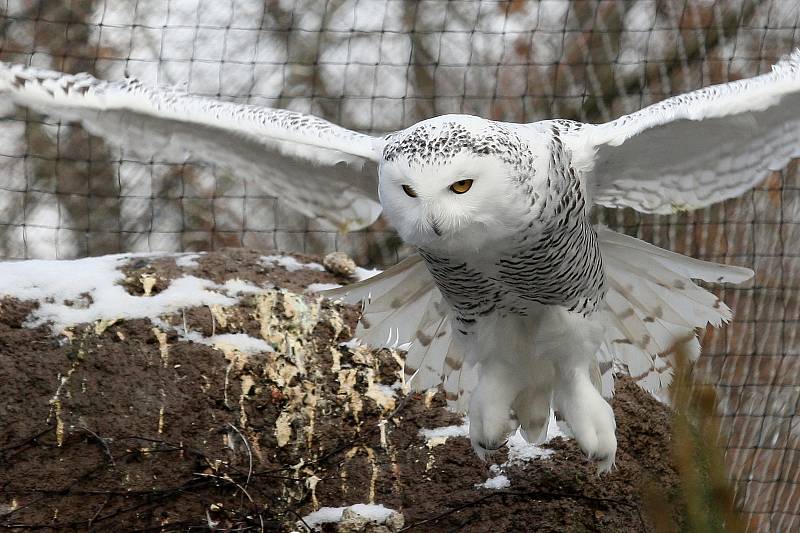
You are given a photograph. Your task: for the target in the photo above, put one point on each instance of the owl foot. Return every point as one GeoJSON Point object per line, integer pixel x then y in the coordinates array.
{"type": "Point", "coordinates": [486, 450]}
{"type": "Point", "coordinates": [591, 420]}
{"type": "Point", "coordinates": [532, 408]}
{"type": "Point", "coordinates": [490, 423]}
{"type": "Point", "coordinates": [598, 440]}
{"type": "Point", "coordinates": [489, 433]}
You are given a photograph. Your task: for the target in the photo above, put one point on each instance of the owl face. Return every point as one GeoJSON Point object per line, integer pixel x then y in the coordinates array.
{"type": "Point", "coordinates": [447, 186]}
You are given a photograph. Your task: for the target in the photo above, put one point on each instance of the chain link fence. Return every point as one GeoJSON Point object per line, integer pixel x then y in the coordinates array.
{"type": "Point", "coordinates": [381, 65]}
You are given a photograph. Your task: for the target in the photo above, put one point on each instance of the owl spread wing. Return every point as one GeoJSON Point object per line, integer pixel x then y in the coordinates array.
{"type": "Point", "coordinates": [652, 308]}
{"type": "Point", "coordinates": [696, 149]}
{"type": "Point", "coordinates": [319, 168]}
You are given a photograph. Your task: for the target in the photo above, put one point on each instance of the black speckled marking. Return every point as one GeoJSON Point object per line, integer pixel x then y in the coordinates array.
{"type": "Point", "coordinates": [429, 144]}
{"type": "Point", "coordinates": [555, 259]}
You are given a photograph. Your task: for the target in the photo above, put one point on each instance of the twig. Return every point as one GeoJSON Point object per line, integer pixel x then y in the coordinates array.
{"type": "Point", "coordinates": [530, 494]}
{"type": "Point", "coordinates": [103, 442]}
{"type": "Point", "coordinates": [99, 510]}
{"type": "Point", "coordinates": [237, 485]}
{"type": "Point", "coordinates": [249, 454]}
{"type": "Point", "coordinates": [21, 507]}
{"type": "Point", "coordinates": [89, 492]}
{"type": "Point", "coordinates": [27, 440]}
{"type": "Point", "coordinates": [451, 511]}
{"type": "Point", "coordinates": [174, 447]}
{"type": "Point", "coordinates": [150, 501]}
{"type": "Point", "coordinates": [300, 519]}
{"type": "Point", "coordinates": [227, 480]}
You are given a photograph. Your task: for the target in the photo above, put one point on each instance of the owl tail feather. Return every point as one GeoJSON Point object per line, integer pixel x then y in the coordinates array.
{"type": "Point", "coordinates": [653, 307]}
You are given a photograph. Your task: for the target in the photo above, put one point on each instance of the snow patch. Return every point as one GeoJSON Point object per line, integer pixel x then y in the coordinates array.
{"type": "Point", "coordinates": [187, 261]}
{"type": "Point", "coordinates": [365, 273]}
{"type": "Point", "coordinates": [226, 342]}
{"type": "Point", "coordinates": [498, 482]}
{"type": "Point", "coordinates": [240, 286]}
{"type": "Point", "coordinates": [521, 451]}
{"type": "Point", "coordinates": [319, 287]}
{"type": "Point", "coordinates": [86, 290]}
{"type": "Point", "coordinates": [290, 263]}
{"type": "Point", "coordinates": [437, 436]}
{"type": "Point", "coordinates": [241, 342]}
{"type": "Point", "coordinates": [330, 515]}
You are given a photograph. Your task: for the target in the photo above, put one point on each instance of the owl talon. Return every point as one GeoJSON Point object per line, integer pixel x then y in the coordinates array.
{"type": "Point", "coordinates": [485, 450]}
{"type": "Point", "coordinates": [605, 463]}
{"type": "Point", "coordinates": [591, 420]}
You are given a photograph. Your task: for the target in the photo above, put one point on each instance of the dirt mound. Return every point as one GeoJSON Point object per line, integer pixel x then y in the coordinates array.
{"type": "Point", "coordinates": [252, 415]}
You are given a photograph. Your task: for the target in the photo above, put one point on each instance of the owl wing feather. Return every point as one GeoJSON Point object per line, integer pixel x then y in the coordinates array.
{"type": "Point", "coordinates": [402, 307]}
{"type": "Point", "coordinates": [652, 307]}
{"type": "Point", "coordinates": [695, 149]}
{"type": "Point", "coordinates": [319, 168]}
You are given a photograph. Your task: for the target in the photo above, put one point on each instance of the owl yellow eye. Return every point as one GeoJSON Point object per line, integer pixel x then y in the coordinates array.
{"type": "Point", "coordinates": [409, 191]}
{"type": "Point", "coordinates": [460, 187]}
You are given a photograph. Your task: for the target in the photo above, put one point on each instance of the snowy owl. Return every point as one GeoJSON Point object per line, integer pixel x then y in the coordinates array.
{"type": "Point", "coordinates": [514, 301]}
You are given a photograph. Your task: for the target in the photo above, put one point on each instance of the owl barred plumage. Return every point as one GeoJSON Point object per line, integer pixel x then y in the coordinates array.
{"type": "Point", "coordinates": [553, 259]}
{"type": "Point", "coordinates": [515, 304]}
{"type": "Point", "coordinates": [560, 264]}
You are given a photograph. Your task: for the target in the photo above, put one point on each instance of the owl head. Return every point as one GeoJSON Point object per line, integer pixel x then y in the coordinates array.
{"type": "Point", "coordinates": [455, 182]}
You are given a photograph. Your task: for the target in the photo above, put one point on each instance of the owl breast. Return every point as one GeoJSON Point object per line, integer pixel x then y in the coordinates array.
{"type": "Point", "coordinates": [552, 259]}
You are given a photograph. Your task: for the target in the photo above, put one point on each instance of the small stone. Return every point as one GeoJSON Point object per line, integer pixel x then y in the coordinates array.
{"type": "Point", "coordinates": [339, 263]}
{"type": "Point", "coordinates": [395, 522]}
{"type": "Point", "coordinates": [352, 522]}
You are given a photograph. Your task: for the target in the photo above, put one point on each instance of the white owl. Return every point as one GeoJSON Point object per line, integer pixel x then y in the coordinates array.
{"type": "Point", "coordinates": [514, 301]}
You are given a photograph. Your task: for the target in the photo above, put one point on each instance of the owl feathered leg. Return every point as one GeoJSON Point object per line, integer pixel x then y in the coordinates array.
{"type": "Point", "coordinates": [589, 416]}
{"type": "Point", "coordinates": [528, 364]}
{"type": "Point", "coordinates": [496, 349]}
{"type": "Point", "coordinates": [490, 414]}
{"type": "Point", "coordinates": [570, 341]}
{"type": "Point", "coordinates": [517, 369]}
{"type": "Point", "coordinates": [532, 405]}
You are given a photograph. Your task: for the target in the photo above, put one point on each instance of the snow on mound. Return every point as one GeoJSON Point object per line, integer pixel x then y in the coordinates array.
{"type": "Point", "coordinates": [436, 436]}
{"type": "Point", "coordinates": [520, 452]}
{"type": "Point", "coordinates": [238, 286]}
{"type": "Point", "coordinates": [319, 287]}
{"type": "Point", "coordinates": [290, 263]}
{"type": "Point", "coordinates": [500, 481]}
{"type": "Point", "coordinates": [86, 290]}
{"type": "Point", "coordinates": [187, 260]}
{"type": "Point", "coordinates": [91, 289]}
{"type": "Point", "coordinates": [240, 342]}
{"type": "Point", "coordinates": [359, 512]}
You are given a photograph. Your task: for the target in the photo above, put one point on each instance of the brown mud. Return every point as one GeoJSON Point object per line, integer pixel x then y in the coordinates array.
{"type": "Point", "coordinates": [130, 426]}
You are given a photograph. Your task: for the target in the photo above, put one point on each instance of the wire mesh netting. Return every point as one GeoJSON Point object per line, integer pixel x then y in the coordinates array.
{"type": "Point", "coordinates": [381, 65]}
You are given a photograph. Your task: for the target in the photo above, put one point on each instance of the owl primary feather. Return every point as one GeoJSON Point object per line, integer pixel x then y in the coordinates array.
{"type": "Point", "coordinates": [515, 302]}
